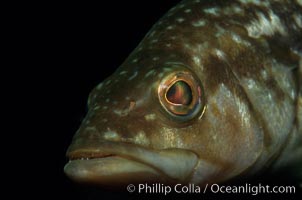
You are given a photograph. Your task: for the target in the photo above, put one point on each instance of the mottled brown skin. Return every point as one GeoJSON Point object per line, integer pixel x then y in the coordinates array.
{"type": "Point", "coordinates": [251, 79]}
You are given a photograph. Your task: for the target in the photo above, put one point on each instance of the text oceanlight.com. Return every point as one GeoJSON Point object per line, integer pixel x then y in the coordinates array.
{"type": "Point", "coordinates": [159, 188]}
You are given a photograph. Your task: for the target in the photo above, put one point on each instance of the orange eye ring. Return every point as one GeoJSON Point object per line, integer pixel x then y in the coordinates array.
{"type": "Point", "coordinates": [181, 95]}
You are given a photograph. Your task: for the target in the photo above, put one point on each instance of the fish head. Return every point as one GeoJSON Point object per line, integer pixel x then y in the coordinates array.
{"type": "Point", "coordinates": [162, 123]}
{"type": "Point", "coordinates": [174, 111]}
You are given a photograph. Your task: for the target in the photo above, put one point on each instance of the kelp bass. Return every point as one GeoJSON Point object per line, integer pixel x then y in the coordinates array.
{"type": "Point", "coordinates": [212, 92]}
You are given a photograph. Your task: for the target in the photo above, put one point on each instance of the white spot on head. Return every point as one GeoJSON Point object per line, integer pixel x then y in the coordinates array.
{"type": "Point", "coordinates": [198, 23]}
{"type": "Point", "coordinates": [105, 107]}
{"type": "Point", "coordinates": [123, 72]}
{"type": "Point", "coordinates": [108, 82]}
{"type": "Point", "coordinates": [170, 138]}
{"type": "Point", "coordinates": [212, 11]}
{"type": "Point", "coordinates": [251, 84]}
{"type": "Point", "coordinates": [104, 120]}
{"type": "Point", "coordinates": [168, 69]}
{"type": "Point", "coordinates": [233, 10]}
{"type": "Point", "coordinates": [111, 135]}
{"type": "Point", "coordinates": [169, 27]}
{"type": "Point", "coordinates": [135, 60]}
{"type": "Point", "coordinates": [133, 76]}
{"type": "Point", "coordinates": [220, 54]}
{"type": "Point", "coordinates": [107, 100]}
{"type": "Point", "coordinates": [264, 74]}
{"type": "Point", "coordinates": [265, 26]}
{"type": "Point", "coordinates": [197, 49]}
{"type": "Point", "coordinates": [152, 33]}
{"type": "Point", "coordinates": [169, 14]}
{"type": "Point", "coordinates": [236, 38]}
{"type": "Point", "coordinates": [90, 128]}
{"type": "Point", "coordinates": [187, 10]}
{"type": "Point", "coordinates": [180, 20]}
{"type": "Point", "coordinates": [172, 9]}
{"type": "Point", "coordinates": [141, 138]}
{"type": "Point", "coordinates": [263, 3]}
{"type": "Point", "coordinates": [155, 58]}
{"type": "Point", "coordinates": [150, 73]}
{"type": "Point", "coordinates": [121, 113]}
{"type": "Point", "coordinates": [99, 86]}
{"type": "Point", "coordinates": [160, 22]}
{"type": "Point", "coordinates": [188, 46]}
{"type": "Point", "coordinates": [220, 30]}
{"type": "Point", "coordinates": [168, 45]}
{"type": "Point", "coordinates": [173, 37]}
{"type": "Point", "coordinates": [196, 60]}
{"type": "Point", "coordinates": [298, 19]}
{"type": "Point", "coordinates": [269, 95]}
{"type": "Point", "coordinates": [237, 9]}
{"type": "Point", "coordinates": [127, 98]}
{"type": "Point", "coordinates": [96, 108]}
{"type": "Point", "coordinates": [181, 6]}
{"type": "Point", "coordinates": [160, 75]}
{"type": "Point", "coordinates": [154, 41]}
{"type": "Point", "coordinates": [150, 117]}
{"type": "Point", "coordinates": [115, 102]}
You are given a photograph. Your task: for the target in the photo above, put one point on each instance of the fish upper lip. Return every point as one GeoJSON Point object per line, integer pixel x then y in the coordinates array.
{"type": "Point", "coordinates": [177, 164]}
{"type": "Point", "coordinates": [84, 155]}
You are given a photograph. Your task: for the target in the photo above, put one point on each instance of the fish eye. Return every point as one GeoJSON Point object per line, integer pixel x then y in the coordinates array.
{"type": "Point", "coordinates": [181, 95]}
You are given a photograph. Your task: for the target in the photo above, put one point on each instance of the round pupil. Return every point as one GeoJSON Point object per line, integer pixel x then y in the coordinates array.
{"type": "Point", "coordinates": [179, 93]}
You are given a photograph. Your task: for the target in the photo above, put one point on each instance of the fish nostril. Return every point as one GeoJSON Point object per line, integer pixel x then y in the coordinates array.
{"type": "Point", "coordinates": [129, 106]}
{"type": "Point", "coordinates": [126, 109]}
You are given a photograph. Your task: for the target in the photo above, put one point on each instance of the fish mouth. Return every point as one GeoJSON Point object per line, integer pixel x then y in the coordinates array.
{"type": "Point", "coordinates": [118, 163]}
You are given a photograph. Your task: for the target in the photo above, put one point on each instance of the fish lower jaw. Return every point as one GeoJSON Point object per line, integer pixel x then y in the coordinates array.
{"type": "Point", "coordinates": [112, 171]}
{"type": "Point", "coordinates": [119, 165]}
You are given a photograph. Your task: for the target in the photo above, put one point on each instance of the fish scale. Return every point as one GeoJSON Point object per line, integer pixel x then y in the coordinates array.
{"type": "Point", "coordinates": [214, 84]}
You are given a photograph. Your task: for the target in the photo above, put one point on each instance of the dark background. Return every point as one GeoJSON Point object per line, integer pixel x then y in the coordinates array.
{"type": "Point", "coordinates": [87, 42]}
{"type": "Point", "coordinates": [77, 45]}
